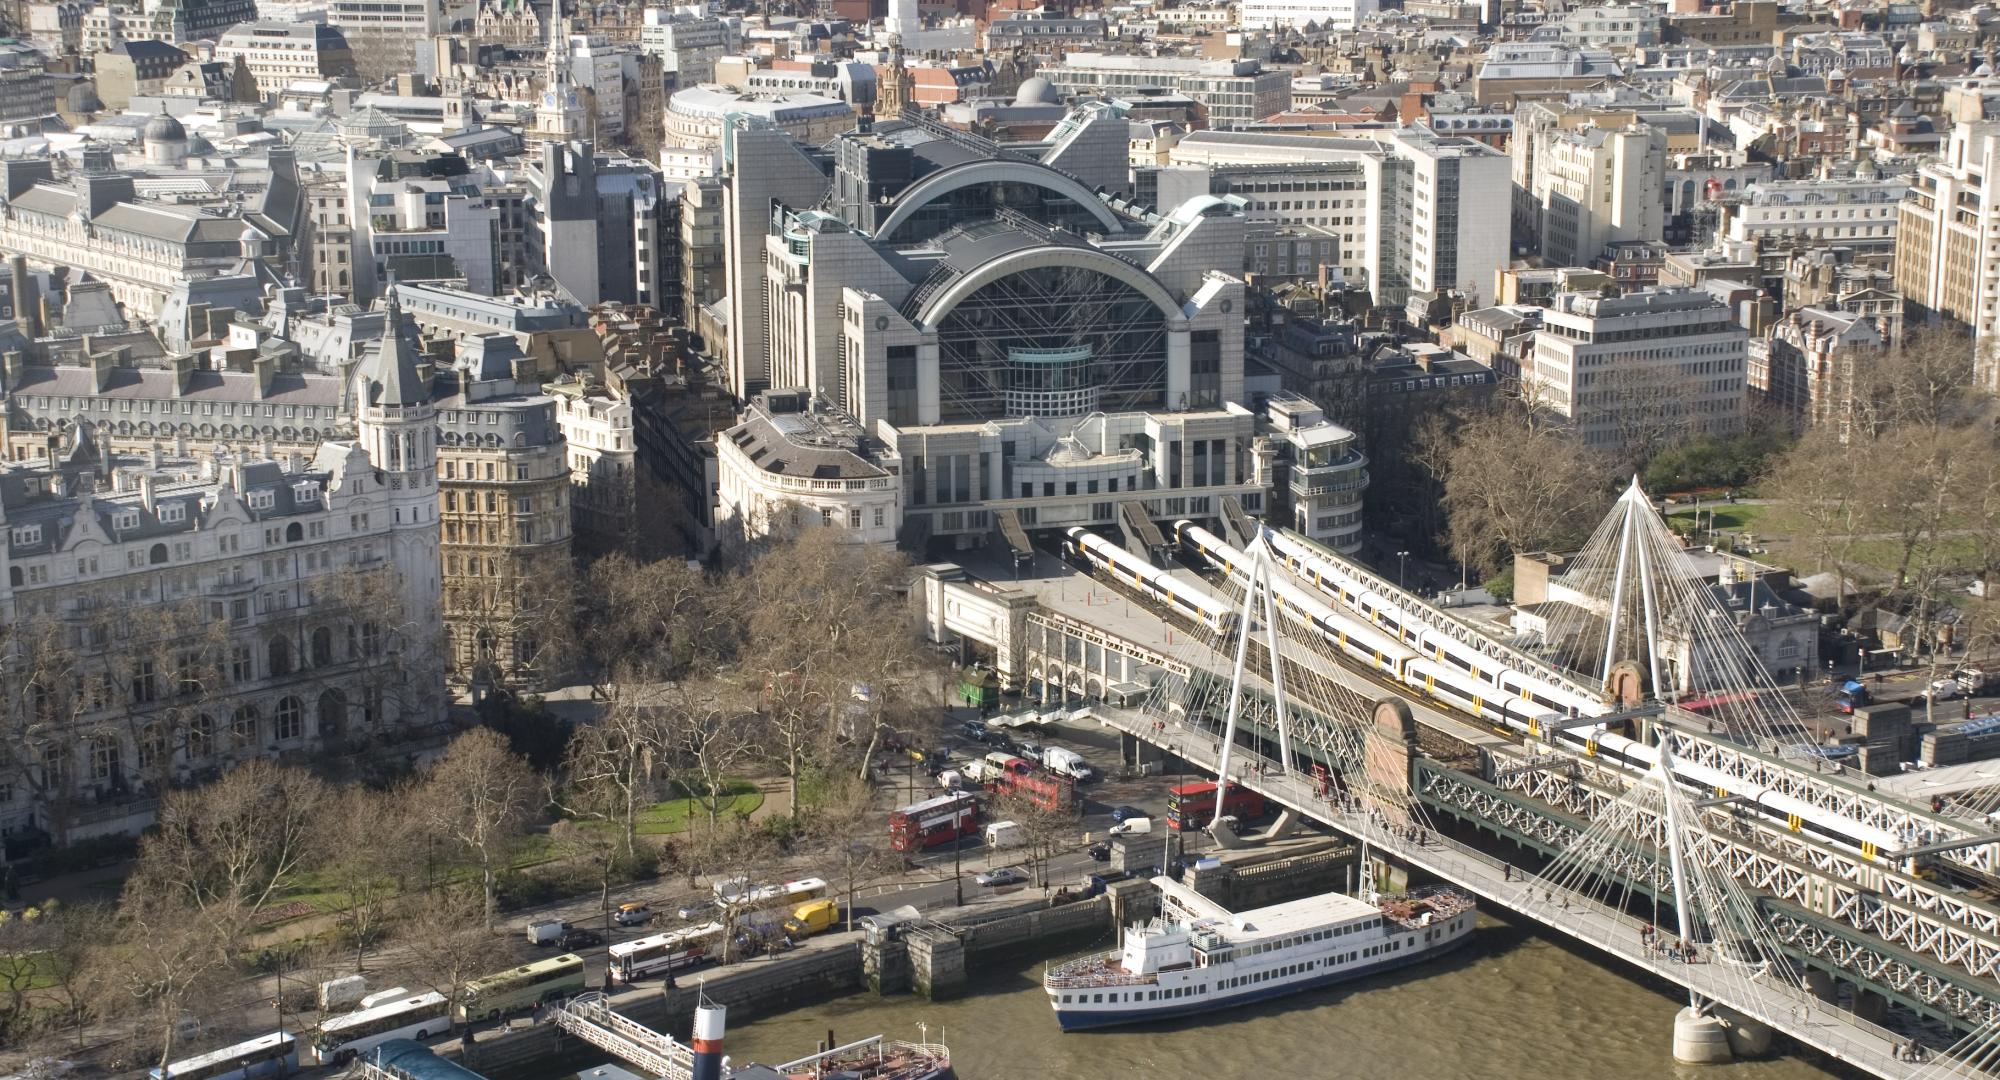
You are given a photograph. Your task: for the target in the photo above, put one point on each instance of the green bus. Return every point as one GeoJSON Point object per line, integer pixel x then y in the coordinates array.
{"type": "Point", "coordinates": [521, 988]}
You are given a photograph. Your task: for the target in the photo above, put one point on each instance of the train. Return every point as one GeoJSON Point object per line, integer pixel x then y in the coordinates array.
{"type": "Point", "coordinates": [1368, 628]}
{"type": "Point", "coordinates": [1101, 556]}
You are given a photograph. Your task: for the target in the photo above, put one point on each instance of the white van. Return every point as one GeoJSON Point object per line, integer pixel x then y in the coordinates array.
{"type": "Point", "coordinates": [1004, 834]}
{"type": "Point", "coordinates": [1067, 763]}
{"type": "Point", "coordinates": [1132, 826]}
{"type": "Point", "coordinates": [546, 932]}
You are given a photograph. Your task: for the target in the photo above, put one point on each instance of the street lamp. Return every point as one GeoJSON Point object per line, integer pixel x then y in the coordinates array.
{"type": "Point", "coordinates": [1402, 560]}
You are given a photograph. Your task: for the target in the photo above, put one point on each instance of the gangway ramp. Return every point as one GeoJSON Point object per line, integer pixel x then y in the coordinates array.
{"type": "Point", "coordinates": [1241, 527]}
{"type": "Point", "coordinates": [1009, 524]}
{"type": "Point", "coordinates": [591, 1018]}
{"type": "Point", "coordinates": [1141, 528]}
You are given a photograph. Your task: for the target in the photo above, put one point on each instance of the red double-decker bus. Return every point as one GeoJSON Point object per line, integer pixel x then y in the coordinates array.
{"type": "Point", "coordinates": [927, 824]}
{"type": "Point", "coordinates": [1044, 789]}
{"type": "Point", "coordinates": [1193, 805]}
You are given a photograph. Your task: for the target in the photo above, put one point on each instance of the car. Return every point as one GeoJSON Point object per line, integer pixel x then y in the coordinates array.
{"type": "Point", "coordinates": [633, 914]}
{"type": "Point", "coordinates": [1100, 851]}
{"type": "Point", "coordinates": [974, 730]}
{"type": "Point", "coordinates": [1000, 740]}
{"type": "Point", "coordinates": [1120, 813]}
{"type": "Point", "coordinates": [696, 909]}
{"type": "Point", "coordinates": [1030, 750]}
{"type": "Point", "coordinates": [578, 937]}
{"type": "Point", "coordinates": [1006, 875]}
{"type": "Point", "coordinates": [1943, 690]}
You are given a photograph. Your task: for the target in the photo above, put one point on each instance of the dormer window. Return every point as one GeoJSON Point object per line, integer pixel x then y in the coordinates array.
{"type": "Point", "coordinates": [260, 500]}
{"type": "Point", "coordinates": [305, 493]}
{"type": "Point", "coordinates": [171, 513]}
{"type": "Point", "coordinates": [26, 534]}
{"type": "Point", "coordinates": [125, 519]}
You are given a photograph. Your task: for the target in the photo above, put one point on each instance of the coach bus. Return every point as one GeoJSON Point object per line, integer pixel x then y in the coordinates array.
{"type": "Point", "coordinates": [276, 1054]}
{"type": "Point", "coordinates": [522, 987]}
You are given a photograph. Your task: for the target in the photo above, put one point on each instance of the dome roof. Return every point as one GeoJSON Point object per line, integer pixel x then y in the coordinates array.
{"type": "Point", "coordinates": [164, 128]}
{"type": "Point", "coordinates": [1035, 90]}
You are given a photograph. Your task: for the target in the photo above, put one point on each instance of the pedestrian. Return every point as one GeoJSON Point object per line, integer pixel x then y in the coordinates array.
{"type": "Point", "coordinates": [1506, 871]}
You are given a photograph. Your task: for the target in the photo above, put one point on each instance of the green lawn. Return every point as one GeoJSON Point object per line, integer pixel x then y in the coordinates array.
{"type": "Point", "coordinates": [22, 972]}
{"type": "Point", "coordinates": [1729, 517]}
{"type": "Point", "coordinates": [676, 815]}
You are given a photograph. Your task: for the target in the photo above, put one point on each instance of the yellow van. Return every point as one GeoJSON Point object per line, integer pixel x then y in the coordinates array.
{"type": "Point", "coordinates": [812, 917]}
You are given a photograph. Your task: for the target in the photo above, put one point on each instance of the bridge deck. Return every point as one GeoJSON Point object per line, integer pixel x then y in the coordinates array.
{"type": "Point", "coordinates": [1819, 1024]}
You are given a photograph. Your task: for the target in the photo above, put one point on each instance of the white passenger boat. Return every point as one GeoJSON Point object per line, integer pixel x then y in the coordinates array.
{"type": "Point", "coordinates": [1198, 956]}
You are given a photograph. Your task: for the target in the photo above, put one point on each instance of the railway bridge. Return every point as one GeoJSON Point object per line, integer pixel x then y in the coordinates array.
{"type": "Point", "coordinates": [1555, 835]}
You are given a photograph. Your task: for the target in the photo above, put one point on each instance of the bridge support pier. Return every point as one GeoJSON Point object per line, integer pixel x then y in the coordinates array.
{"type": "Point", "coordinates": [1747, 1037]}
{"type": "Point", "coordinates": [937, 965]}
{"type": "Point", "coordinates": [1869, 1005]}
{"type": "Point", "coordinates": [1821, 984]}
{"type": "Point", "coordinates": [1700, 1039]}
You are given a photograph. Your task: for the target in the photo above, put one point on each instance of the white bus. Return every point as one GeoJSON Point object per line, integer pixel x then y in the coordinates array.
{"type": "Point", "coordinates": [738, 890]}
{"type": "Point", "coordinates": [340, 1039]}
{"type": "Point", "coordinates": [642, 957]}
{"type": "Point", "coordinates": [276, 1054]}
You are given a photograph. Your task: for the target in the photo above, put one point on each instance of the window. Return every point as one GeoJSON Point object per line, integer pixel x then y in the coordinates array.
{"type": "Point", "coordinates": [145, 684]}
{"type": "Point", "coordinates": [290, 719]}
{"type": "Point", "coordinates": [243, 726]}
{"type": "Point", "coordinates": [104, 759]}
{"type": "Point", "coordinates": [280, 659]}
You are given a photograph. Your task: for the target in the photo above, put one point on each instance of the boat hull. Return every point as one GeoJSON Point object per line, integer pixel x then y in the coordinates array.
{"type": "Point", "coordinates": [1088, 1019]}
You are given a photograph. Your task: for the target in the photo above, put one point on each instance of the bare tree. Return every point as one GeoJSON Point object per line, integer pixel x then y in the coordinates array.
{"type": "Point", "coordinates": [1045, 831]}
{"type": "Point", "coordinates": [165, 957]}
{"type": "Point", "coordinates": [705, 742]}
{"type": "Point", "coordinates": [447, 943]}
{"type": "Point", "coordinates": [844, 826]}
{"type": "Point", "coordinates": [480, 797]}
{"type": "Point", "coordinates": [1820, 499]}
{"type": "Point", "coordinates": [228, 847]}
{"type": "Point", "coordinates": [1514, 481]}
{"type": "Point", "coordinates": [822, 618]}
{"type": "Point", "coordinates": [71, 937]}
{"type": "Point", "coordinates": [369, 863]}
{"type": "Point", "coordinates": [609, 768]}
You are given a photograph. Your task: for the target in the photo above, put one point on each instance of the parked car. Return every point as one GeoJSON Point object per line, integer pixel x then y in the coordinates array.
{"type": "Point", "coordinates": [1101, 851]}
{"type": "Point", "coordinates": [1000, 740]}
{"type": "Point", "coordinates": [1944, 690]}
{"type": "Point", "coordinates": [1119, 814]}
{"type": "Point", "coordinates": [1005, 875]}
{"type": "Point", "coordinates": [578, 937]}
{"type": "Point", "coordinates": [636, 913]}
{"type": "Point", "coordinates": [974, 730]}
{"type": "Point", "coordinates": [1033, 751]}
{"type": "Point", "coordinates": [696, 910]}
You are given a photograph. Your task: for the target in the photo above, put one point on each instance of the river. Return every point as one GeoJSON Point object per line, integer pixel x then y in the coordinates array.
{"type": "Point", "coordinates": [1510, 1005]}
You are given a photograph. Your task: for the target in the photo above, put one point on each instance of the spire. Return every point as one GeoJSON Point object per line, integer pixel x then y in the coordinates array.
{"type": "Point", "coordinates": [391, 376]}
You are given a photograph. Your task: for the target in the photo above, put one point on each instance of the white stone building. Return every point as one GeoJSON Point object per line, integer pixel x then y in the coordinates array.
{"type": "Point", "coordinates": [205, 613]}
{"type": "Point", "coordinates": [1670, 361]}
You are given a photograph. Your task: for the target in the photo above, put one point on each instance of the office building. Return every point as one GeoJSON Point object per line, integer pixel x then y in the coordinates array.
{"type": "Point", "coordinates": [1635, 371]}
{"type": "Point", "coordinates": [1943, 231]}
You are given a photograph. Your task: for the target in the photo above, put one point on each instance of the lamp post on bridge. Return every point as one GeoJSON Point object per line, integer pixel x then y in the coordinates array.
{"type": "Point", "coordinates": [1402, 560]}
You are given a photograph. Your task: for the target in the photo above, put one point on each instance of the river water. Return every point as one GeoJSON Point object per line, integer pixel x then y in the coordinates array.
{"type": "Point", "coordinates": [1509, 1005]}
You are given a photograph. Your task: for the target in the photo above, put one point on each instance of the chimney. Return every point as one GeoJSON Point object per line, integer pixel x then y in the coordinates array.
{"type": "Point", "coordinates": [708, 1025]}
{"type": "Point", "coordinates": [100, 370]}
{"type": "Point", "coordinates": [154, 458]}
{"type": "Point", "coordinates": [524, 370]}
{"type": "Point", "coordinates": [269, 449]}
{"type": "Point", "coordinates": [295, 463]}
{"type": "Point", "coordinates": [146, 491]}
{"type": "Point", "coordinates": [180, 446]}
{"type": "Point", "coordinates": [183, 368]}
{"type": "Point", "coordinates": [27, 304]}
{"type": "Point", "coordinates": [266, 368]}
{"type": "Point", "coordinates": [16, 367]}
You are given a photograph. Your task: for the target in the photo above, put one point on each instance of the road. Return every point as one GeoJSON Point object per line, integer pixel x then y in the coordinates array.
{"type": "Point", "coordinates": [930, 884]}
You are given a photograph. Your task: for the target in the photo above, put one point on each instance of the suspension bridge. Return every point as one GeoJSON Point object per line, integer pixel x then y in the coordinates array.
{"type": "Point", "coordinates": [1776, 882]}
